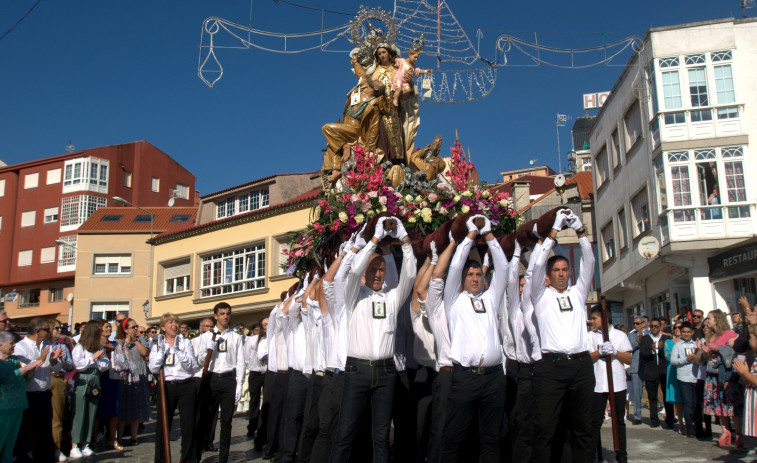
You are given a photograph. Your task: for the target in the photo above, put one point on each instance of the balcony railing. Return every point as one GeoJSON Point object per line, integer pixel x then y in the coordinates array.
{"type": "Point", "coordinates": [735, 220]}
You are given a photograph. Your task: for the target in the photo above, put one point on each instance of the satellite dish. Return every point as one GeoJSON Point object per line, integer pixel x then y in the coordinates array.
{"type": "Point", "coordinates": [170, 202]}
{"type": "Point", "coordinates": [649, 247]}
{"type": "Point", "coordinates": [559, 180]}
{"type": "Point", "coordinates": [532, 161]}
{"type": "Point", "coordinates": [70, 297]}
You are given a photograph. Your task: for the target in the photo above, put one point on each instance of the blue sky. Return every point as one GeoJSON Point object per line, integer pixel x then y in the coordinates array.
{"type": "Point", "coordinates": [104, 72]}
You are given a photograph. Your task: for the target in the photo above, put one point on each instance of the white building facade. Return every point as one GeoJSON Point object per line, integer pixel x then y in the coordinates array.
{"type": "Point", "coordinates": [672, 157]}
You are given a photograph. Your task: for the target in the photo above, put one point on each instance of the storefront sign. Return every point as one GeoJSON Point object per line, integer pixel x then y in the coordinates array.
{"type": "Point", "coordinates": [734, 262]}
{"type": "Point", "coordinates": [11, 296]}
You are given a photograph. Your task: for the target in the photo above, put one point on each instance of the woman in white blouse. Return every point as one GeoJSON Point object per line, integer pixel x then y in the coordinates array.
{"type": "Point", "coordinates": [175, 355]}
{"type": "Point", "coordinates": [89, 360]}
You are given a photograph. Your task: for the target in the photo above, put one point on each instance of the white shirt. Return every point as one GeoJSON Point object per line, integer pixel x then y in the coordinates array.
{"type": "Point", "coordinates": [314, 322]}
{"type": "Point", "coordinates": [222, 362]}
{"type": "Point", "coordinates": [475, 336]}
{"type": "Point", "coordinates": [27, 351]}
{"type": "Point", "coordinates": [185, 362]}
{"type": "Point", "coordinates": [621, 343]}
{"type": "Point", "coordinates": [423, 345]}
{"type": "Point", "coordinates": [373, 338]}
{"type": "Point", "coordinates": [294, 333]}
{"type": "Point", "coordinates": [277, 353]}
{"type": "Point", "coordinates": [83, 360]}
{"type": "Point", "coordinates": [562, 331]}
{"type": "Point", "coordinates": [337, 340]}
{"type": "Point", "coordinates": [521, 311]}
{"type": "Point", "coordinates": [197, 347]}
{"type": "Point", "coordinates": [437, 317]}
{"type": "Point", "coordinates": [251, 358]}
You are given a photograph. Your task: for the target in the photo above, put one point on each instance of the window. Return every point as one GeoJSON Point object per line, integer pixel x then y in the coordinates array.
{"type": "Point", "coordinates": [2, 187]}
{"type": "Point", "coordinates": [640, 213]}
{"type": "Point", "coordinates": [615, 149]}
{"type": "Point", "coordinates": [608, 242]}
{"type": "Point", "coordinates": [679, 179]}
{"type": "Point", "coordinates": [28, 297]}
{"type": "Point", "coordinates": [53, 176]}
{"type": "Point", "coordinates": [1, 227]}
{"type": "Point", "coordinates": [28, 218]}
{"type": "Point", "coordinates": [55, 294]}
{"type": "Point", "coordinates": [728, 113]}
{"type": "Point", "coordinates": [632, 122]}
{"type": "Point", "coordinates": [233, 271]}
{"type": "Point", "coordinates": [85, 174]}
{"type": "Point", "coordinates": [242, 203]}
{"type": "Point", "coordinates": [701, 115]}
{"type": "Point", "coordinates": [25, 258]}
{"type": "Point", "coordinates": [114, 264]}
{"type": "Point", "coordinates": [724, 84]}
{"type": "Point", "coordinates": [111, 218]}
{"type": "Point", "coordinates": [47, 255]}
{"type": "Point", "coordinates": [67, 252]}
{"type": "Point", "coordinates": [698, 87]}
{"type": "Point", "coordinates": [142, 218]}
{"type": "Point", "coordinates": [279, 258]}
{"type": "Point", "coordinates": [225, 208]}
{"type": "Point", "coordinates": [155, 184]}
{"type": "Point", "coordinates": [108, 310]}
{"type": "Point", "coordinates": [176, 277]}
{"type": "Point", "coordinates": [31, 181]}
{"type": "Point", "coordinates": [671, 90]}
{"type": "Point", "coordinates": [734, 180]}
{"type": "Point", "coordinates": [127, 179]}
{"type": "Point", "coordinates": [76, 209]}
{"type": "Point", "coordinates": [661, 187]}
{"type": "Point", "coordinates": [675, 118]}
{"type": "Point", "coordinates": [694, 59]}
{"type": "Point", "coordinates": [718, 56]}
{"type": "Point", "coordinates": [668, 62]}
{"type": "Point", "coordinates": [622, 229]}
{"type": "Point", "coordinates": [51, 214]}
{"type": "Point", "coordinates": [180, 218]}
{"type": "Point", "coordinates": [602, 168]}
{"type": "Point", "coordinates": [182, 191]}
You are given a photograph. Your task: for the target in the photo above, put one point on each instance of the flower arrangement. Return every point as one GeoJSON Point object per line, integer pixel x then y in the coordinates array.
{"type": "Point", "coordinates": [422, 205]}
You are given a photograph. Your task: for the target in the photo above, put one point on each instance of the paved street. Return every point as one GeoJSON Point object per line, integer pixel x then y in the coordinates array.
{"type": "Point", "coordinates": [644, 444]}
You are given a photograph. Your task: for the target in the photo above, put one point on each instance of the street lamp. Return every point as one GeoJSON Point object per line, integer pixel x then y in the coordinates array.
{"type": "Point", "coordinates": [146, 305]}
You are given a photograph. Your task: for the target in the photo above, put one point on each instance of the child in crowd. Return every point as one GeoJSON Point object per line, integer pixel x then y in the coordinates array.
{"type": "Point", "coordinates": [685, 357]}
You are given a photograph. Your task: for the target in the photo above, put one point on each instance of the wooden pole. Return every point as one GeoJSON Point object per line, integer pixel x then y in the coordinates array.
{"type": "Point", "coordinates": [608, 363]}
{"type": "Point", "coordinates": [164, 415]}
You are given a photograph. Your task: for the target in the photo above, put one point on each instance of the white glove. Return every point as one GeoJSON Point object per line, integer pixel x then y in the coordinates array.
{"type": "Point", "coordinates": [434, 254]}
{"type": "Point", "coordinates": [516, 250]}
{"type": "Point", "coordinates": [486, 262]}
{"type": "Point", "coordinates": [574, 222]}
{"type": "Point", "coordinates": [238, 394]}
{"type": "Point", "coordinates": [487, 228]}
{"type": "Point", "coordinates": [211, 345]}
{"type": "Point", "coordinates": [400, 231]}
{"type": "Point", "coordinates": [559, 221]}
{"type": "Point", "coordinates": [359, 241]}
{"type": "Point", "coordinates": [380, 233]}
{"type": "Point", "coordinates": [469, 223]}
{"type": "Point", "coordinates": [607, 348]}
{"type": "Point", "coordinates": [349, 244]}
{"type": "Point", "coordinates": [449, 235]}
{"type": "Point", "coordinates": [161, 345]}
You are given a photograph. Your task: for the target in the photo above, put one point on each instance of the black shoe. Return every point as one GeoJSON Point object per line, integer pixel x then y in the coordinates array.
{"type": "Point", "coordinates": [250, 433]}
{"type": "Point", "coordinates": [635, 422]}
{"type": "Point", "coordinates": [210, 447]}
{"type": "Point", "coordinates": [655, 425]}
{"type": "Point", "coordinates": [267, 456]}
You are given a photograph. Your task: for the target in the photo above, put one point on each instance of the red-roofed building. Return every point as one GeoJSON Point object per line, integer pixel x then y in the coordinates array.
{"type": "Point", "coordinates": [43, 203]}
{"type": "Point", "coordinates": [114, 257]}
{"type": "Point", "coordinates": [233, 251]}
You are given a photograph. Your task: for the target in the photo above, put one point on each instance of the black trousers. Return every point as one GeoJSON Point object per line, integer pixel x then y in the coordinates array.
{"type": "Point", "coordinates": [689, 399]}
{"type": "Point", "coordinates": [364, 383]}
{"type": "Point", "coordinates": [404, 416]}
{"type": "Point", "coordinates": [508, 433]}
{"type": "Point", "coordinates": [699, 418]}
{"type": "Point", "coordinates": [294, 412]}
{"type": "Point", "coordinates": [255, 386]}
{"type": "Point", "coordinates": [36, 432]}
{"type": "Point", "coordinates": [423, 400]}
{"type": "Point", "coordinates": [558, 381]}
{"type": "Point", "coordinates": [652, 388]}
{"type": "Point", "coordinates": [600, 405]}
{"type": "Point", "coordinates": [181, 395]}
{"type": "Point", "coordinates": [440, 390]}
{"type": "Point", "coordinates": [311, 420]}
{"type": "Point", "coordinates": [276, 412]}
{"type": "Point", "coordinates": [329, 405]}
{"type": "Point", "coordinates": [470, 393]}
{"type": "Point", "coordinates": [522, 418]}
{"type": "Point", "coordinates": [221, 391]}
{"type": "Point", "coordinates": [261, 435]}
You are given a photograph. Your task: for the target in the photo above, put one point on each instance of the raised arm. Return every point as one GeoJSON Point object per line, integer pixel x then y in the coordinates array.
{"type": "Point", "coordinates": [455, 273]}
{"type": "Point", "coordinates": [513, 282]}
{"type": "Point", "coordinates": [420, 288]}
{"type": "Point", "coordinates": [391, 278]}
{"type": "Point", "coordinates": [499, 280]}
{"type": "Point", "coordinates": [538, 264]}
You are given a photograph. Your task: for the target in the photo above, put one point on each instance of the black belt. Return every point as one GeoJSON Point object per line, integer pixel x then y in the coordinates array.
{"type": "Point", "coordinates": [222, 375]}
{"type": "Point", "coordinates": [478, 370]}
{"type": "Point", "coordinates": [562, 356]}
{"type": "Point", "coordinates": [256, 373]}
{"type": "Point", "coordinates": [332, 373]}
{"type": "Point", "coordinates": [372, 363]}
{"type": "Point", "coordinates": [445, 368]}
{"type": "Point", "coordinates": [180, 381]}
{"type": "Point", "coordinates": [296, 372]}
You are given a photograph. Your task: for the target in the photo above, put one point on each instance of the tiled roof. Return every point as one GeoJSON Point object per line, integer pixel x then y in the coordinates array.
{"type": "Point", "coordinates": [308, 196]}
{"type": "Point", "coordinates": [126, 219]}
{"type": "Point", "coordinates": [582, 180]}
{"type": "Point", "coordinates": [539, 184]}
{"type": "Point", "coordinates": [270, 177]}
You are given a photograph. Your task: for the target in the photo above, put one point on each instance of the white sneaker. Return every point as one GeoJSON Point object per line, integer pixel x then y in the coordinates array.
{"type": "Point", "coordinates": [75, 453]}
{"type": "Point", "coordinates": [60, 456]}
{"type": "Point", "coordinates": [86, 451]}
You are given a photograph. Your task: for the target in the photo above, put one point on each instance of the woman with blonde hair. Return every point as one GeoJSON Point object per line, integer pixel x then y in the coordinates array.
{"type": "Point", "coordinates": [89, 360]}
{"type": "Point", "coordinates": [719, 401]}
{"type": "Point", "coordinates": [107, 408]}
{"type": "Point", "coordinates": [174, 354]}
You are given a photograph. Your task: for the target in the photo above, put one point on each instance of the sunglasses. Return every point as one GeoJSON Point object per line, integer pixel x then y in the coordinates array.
{"type": "Point", "coordinates": [654, 326]}
{"type": "Point", "coordinates": [637, 323]}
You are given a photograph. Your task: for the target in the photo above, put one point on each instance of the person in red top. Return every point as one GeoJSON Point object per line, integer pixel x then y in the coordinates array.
{"type": "Point", "coordinates": [718, 400]}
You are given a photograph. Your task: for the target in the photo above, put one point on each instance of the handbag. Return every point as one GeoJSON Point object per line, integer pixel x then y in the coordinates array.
{"type": "Point", "coordinates": [92, 387]}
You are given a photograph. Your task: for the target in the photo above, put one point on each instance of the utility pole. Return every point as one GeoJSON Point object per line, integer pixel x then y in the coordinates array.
{"type": "Point", "coordinates": [561, 120]}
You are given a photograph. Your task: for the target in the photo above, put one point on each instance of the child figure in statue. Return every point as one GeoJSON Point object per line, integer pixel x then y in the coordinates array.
{"type": "Point", "coordinates": [400, 86]}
